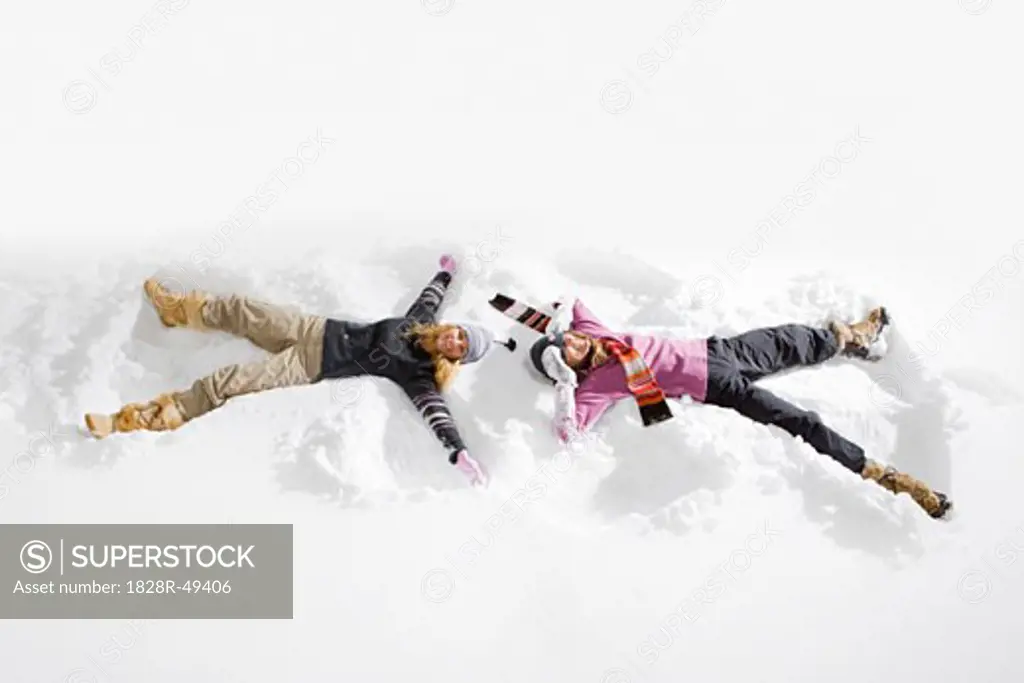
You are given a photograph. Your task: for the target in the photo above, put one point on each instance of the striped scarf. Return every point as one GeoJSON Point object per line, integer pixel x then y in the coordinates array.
{"type": "Point", "coordinates": [522, 313]}
{"type": "Point", "coordinates": [639, 378]}
{"type": "Point", "coordinates": [641, 382]}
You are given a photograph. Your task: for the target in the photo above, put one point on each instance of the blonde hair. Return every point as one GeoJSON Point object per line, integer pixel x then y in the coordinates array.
{"type": "Point", "coordinates": [598, 355]}
{"type": "Point", "coordinates": [426, 334]}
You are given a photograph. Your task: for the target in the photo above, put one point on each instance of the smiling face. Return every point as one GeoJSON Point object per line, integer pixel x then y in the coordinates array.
{"type": "Point", "coordinates": [575, 348]}
{"type": "Point", "coordinates": [453, 343]}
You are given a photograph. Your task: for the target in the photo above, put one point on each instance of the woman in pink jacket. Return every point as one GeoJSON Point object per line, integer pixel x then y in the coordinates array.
{"type": "Point", "coordinates": [592, 367]}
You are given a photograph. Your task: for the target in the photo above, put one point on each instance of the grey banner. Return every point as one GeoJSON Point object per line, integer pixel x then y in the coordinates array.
{"type": "Point", "coordinates": [146, 571]}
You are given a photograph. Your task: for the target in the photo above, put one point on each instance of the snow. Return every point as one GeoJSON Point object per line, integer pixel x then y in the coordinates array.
{"type": "Point", "coordinates": [706, 547]}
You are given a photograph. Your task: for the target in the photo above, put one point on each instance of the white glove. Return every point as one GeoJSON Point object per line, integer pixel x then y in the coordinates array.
{"type": "Point", "coordinates": [561, 319]}
{"type": "Point", "coordinates": [565, 392]}
{"type": "Point", "coordinates": [556, 367]}
{"type": "Point", "coordinates": [565, 428]}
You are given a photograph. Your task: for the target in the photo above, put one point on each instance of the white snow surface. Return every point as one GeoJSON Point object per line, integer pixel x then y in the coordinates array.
{"type": "Point", "coordinates": [705, 548]}
{"type": "Point", "coordinates": [644, 554]}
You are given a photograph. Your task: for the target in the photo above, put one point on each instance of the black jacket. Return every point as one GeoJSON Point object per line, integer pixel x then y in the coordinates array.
{"type": "Point", "coordinates": [381, 349]}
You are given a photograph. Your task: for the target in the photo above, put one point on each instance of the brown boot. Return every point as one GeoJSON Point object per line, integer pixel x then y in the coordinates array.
{"type": "Point", "coordinates": [934, 503]}
{"type": "Point", "coordinates": [176, 310]}
{"type": "Point", "coordinates": [862, 339]}
{"type": "Point", "coordinates": [160, 414]}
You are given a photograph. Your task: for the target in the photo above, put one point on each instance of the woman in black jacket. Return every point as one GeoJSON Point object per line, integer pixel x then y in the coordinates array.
{"type": "Point", "coordinates": [415, 351]}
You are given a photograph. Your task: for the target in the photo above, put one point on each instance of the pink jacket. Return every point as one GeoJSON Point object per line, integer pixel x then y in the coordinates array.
{"type": "Point", "coordinates": [679, 365]}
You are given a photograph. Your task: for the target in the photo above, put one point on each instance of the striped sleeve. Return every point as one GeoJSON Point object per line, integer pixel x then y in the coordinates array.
{"type": "Point", "coordinates": [429, 301]}
{"type": "Point", "coordinates": [434, 411]}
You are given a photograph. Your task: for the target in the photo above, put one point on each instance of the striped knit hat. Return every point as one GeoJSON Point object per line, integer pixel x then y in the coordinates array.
{"type": "Point", "coordinates": [478, 342]}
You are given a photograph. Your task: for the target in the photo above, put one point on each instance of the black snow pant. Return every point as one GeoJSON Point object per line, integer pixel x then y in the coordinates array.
{"type": "Point", "coordinates": [735, 363]}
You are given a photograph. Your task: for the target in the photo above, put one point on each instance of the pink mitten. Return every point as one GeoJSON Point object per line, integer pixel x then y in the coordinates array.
{"type": "Point", "coordinates": [565, 430]}
{"type": "Point", "coordinates": [447, 263]}
{"type": "Point", "coordinates": [471, 468]}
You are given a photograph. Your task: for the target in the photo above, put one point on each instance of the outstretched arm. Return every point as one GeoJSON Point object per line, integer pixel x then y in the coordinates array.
{"type": "Point", "coordinates": [425, 308]}
{"type": "Point", "coordinates": [583, 320]}
{"type": "Point", "coordinates": [565, 390]}
{"type": "Point", "coordinates": [434, 411]}
{"type": "Point", "coordinates": [590, 405]}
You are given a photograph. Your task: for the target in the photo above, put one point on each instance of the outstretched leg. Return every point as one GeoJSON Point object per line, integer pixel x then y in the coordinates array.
{"type": "Point", "coordinates": [268, 326]}
{"type": "Point", "coordinates": [759, 404]}
{"type": "Point", "coordinates": [736, 392]}
{"type": "Point", "coordinates": [297, 365]}
{"type": "Point", "coordinates": [765, 351]}
{"type": "Point", "coordinates": [284, 369]}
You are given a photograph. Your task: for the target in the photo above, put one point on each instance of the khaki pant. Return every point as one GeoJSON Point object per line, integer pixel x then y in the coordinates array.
{"type": "Point", "coordinates": [295, 340]}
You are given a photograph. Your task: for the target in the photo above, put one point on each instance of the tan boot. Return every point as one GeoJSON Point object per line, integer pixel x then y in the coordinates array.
{"type": "Point", "coordinates": [934, 503]}
{"type": "Point", "coordinates": [861, 339]}
{"type": "Point", "coordinates": [176, 310]}
{"type": "Point", "coordinates": [160, 414]}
